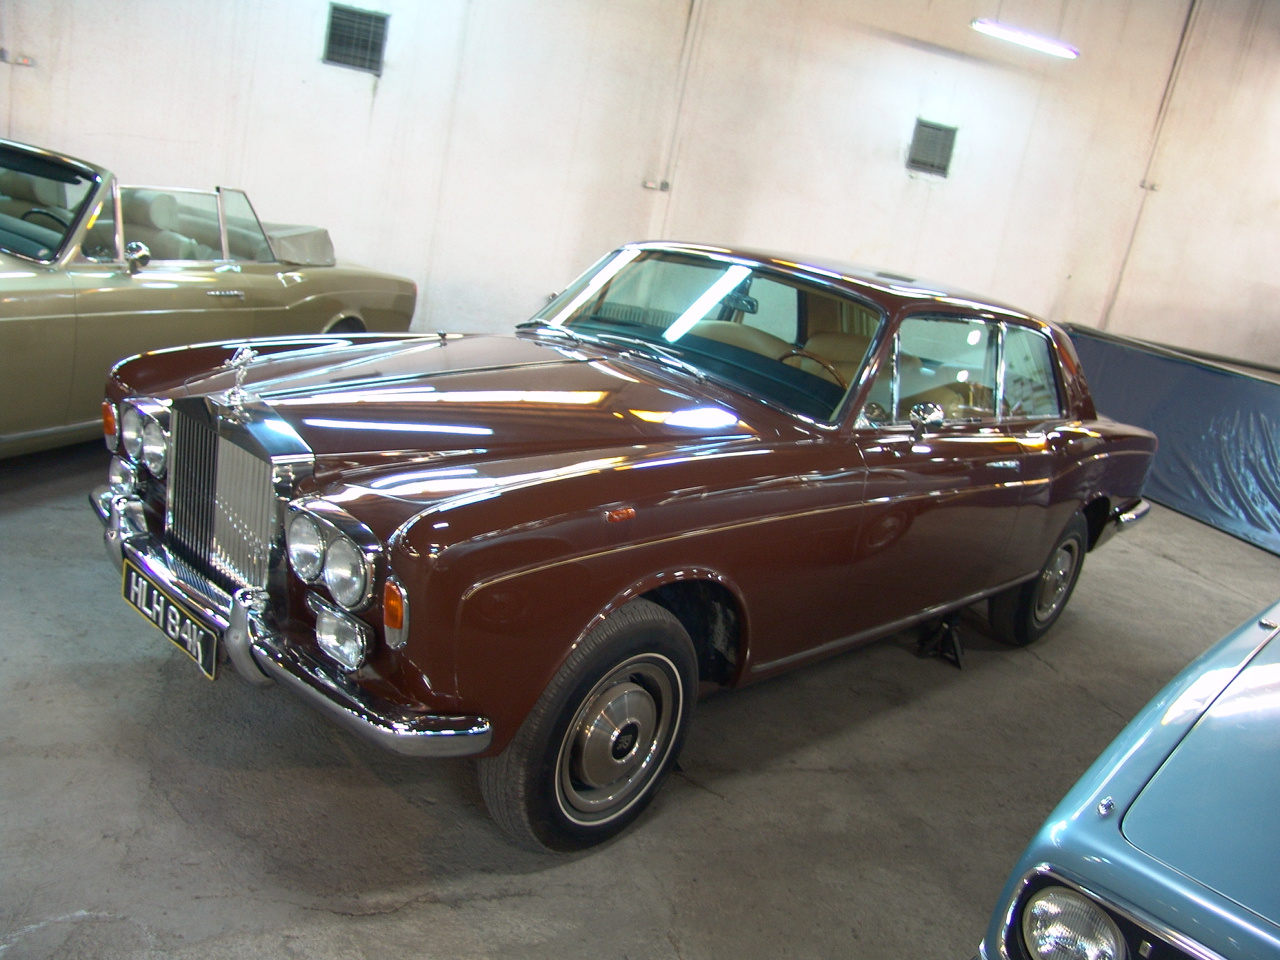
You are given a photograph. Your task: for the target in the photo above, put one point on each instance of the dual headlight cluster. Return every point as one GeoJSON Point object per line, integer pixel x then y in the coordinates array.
{"type": "Point", "coordinates": [1059, 923]}
{"type": "Point", "coordinates": [143, 433]}
{"type": "Point", "coordinates": [321, 551]}
{"type": "Point", "coordinates": [318, 551]}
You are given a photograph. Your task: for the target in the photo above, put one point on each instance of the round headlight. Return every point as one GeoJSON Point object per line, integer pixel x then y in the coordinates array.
{"type": "Point", "coordinates": [155, 447]}
{"type": "Point", "coordinates": [1060, 924]}
{"type": "Point", "coordinates": [306, 547]}
{"type": "Point", "coordinates": [346, 572]}
{"type": "Point", "coordinates": [131, 432]}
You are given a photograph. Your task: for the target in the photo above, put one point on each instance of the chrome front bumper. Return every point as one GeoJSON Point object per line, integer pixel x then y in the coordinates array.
{"type": "Point", "coordinates": [260, 655]}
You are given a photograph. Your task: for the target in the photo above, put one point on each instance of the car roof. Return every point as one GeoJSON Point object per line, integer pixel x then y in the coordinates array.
{"type": "Point", "coordinates": [888, 288]}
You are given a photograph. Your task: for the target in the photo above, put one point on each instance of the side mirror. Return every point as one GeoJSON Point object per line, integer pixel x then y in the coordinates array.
{"type": "Point", "coordinates": [136, 255]}
{"type": "Point", "coordinates": [924, 416]}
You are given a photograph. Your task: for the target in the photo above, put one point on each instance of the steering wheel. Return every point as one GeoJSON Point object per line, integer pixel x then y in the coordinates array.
{"type": "Point", "coordinates": [826, 365]}
{"type": "Point", "coordinates": [64, 224]}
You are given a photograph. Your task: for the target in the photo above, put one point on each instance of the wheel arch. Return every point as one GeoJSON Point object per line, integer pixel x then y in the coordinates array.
{"type": "Point", "coordinates": [708, 605]}
{"type": "Point", "coordinates": [1096, 513]}
{"type": "Point", "coordinates": [347, 321]}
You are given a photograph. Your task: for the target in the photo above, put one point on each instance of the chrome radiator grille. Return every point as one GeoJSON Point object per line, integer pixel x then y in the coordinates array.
{"type": "Point", "coordinates": [221, 505]}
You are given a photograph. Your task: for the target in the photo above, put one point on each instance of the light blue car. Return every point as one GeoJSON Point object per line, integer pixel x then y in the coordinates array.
{"type": "Point", "coordinates": [1169, 846]}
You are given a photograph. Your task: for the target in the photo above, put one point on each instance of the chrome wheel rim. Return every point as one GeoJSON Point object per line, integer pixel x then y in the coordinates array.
{"type": "Point", "coordinates": [618, 739]}
{"type": "Point", "coordinates": [1055, 581]}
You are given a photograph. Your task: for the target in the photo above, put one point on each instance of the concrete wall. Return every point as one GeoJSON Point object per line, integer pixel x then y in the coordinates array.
{"type": "Point", "coordinates": [505, 146]}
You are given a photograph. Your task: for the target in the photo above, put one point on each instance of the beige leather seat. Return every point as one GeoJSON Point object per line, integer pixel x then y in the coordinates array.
{"type": "Point", "coordinates": [844, 351]}
{"type": "Point", "coordinates": [20, 193]}
{"type": "Point", "coordinates": [740, 335]}
{"type": "Point", "coordinates": [151, 216]}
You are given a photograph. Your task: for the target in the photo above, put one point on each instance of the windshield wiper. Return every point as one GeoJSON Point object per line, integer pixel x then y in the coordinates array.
{"type": "Point", "coordinates": [657, 352]}
{"type": "Point", "coordinates": [550, 328]}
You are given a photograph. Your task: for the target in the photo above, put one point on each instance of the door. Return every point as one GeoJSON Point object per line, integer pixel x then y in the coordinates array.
{"type": "Point", "coordinates": [942, 476]}
{"type": "Point", "coordinates": [185, 294]}
{"type": "Point", "coordinates": [1033, 414]}
{"type": "Point", "coordinates": [37, 344]}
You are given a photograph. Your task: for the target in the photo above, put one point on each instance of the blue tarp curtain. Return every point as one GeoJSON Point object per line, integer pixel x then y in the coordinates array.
{"type": "Point", "coordinates": [1219, 430]}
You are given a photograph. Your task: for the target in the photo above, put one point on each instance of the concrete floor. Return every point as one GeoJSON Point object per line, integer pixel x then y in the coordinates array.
{"type": "Point", "coordinates": [867, 806]}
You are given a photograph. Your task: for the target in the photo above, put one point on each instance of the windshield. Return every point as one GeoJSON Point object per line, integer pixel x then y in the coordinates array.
{"type": "Point", "coordinates": [40, 201]}
{"type": "Point", "coordinates": [767, 333]}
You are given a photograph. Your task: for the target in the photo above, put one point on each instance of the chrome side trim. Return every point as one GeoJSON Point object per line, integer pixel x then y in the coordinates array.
{"type": "Point", "coordinates": [1131, 516]}
{"type": "Point", "coordinates": [394, 728]}
{"type": "Point", "coordinates": [886, 629]}
{"type": "Point", "coordinates": [50, 431]}
{"type": "Point", "coordinates": [1131, 913]}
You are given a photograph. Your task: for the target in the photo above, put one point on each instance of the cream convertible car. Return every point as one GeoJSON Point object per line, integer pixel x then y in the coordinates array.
{"type": "Point", "coordinates": [92, 271]}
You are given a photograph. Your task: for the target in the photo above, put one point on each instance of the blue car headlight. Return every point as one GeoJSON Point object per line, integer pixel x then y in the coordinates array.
{"type": "Point", "coordinates": [1061, 924]}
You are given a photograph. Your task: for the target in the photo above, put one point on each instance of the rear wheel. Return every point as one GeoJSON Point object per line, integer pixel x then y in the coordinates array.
{"type": "Point", "coordinates": [1023, 614]}
{"type": "Point", "coordinates": [602, 738]}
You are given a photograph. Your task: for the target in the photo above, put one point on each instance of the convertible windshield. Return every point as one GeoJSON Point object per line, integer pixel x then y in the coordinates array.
{"type": "Point", "coordinates": [40, 201]}
{"type": "Point", "coordinates": [790, 343]}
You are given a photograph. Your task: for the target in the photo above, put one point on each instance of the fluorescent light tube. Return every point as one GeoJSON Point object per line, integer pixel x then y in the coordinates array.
{"type": "Point", "coordinates": [1055, 48]}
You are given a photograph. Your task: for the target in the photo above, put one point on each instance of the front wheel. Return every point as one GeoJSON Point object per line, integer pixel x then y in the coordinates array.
{"type": "Point", "coordinates": [1023, 614]}
{"type": "Point", "coordinates": [602, 737]}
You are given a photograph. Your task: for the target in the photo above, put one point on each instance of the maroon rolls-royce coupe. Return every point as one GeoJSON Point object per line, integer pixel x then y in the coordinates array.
{"type": "Point", "coordinates": [695, 466]}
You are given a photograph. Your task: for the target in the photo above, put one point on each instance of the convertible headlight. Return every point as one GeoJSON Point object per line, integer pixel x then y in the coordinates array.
{"type": "Point", "coordinates": [346, 572]}
{"type": "Point", "coordinates": [155, 447]}
{"type": "Point", "coordinates": [131, 431]}
{"type": "Point", "coordinates": [1061, 924]}
{"type": "Point", "coordinates": [306, 546]}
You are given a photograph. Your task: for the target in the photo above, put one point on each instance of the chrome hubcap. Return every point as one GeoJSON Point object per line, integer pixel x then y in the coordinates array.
{"type": "Point", "coordinates": [1055, 581]}
{"type": "Point", "coordinates": [618, 739]}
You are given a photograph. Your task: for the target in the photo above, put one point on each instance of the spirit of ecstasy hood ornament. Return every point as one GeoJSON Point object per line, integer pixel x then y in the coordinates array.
{"type": "Point", "coordinates": [239, 362]}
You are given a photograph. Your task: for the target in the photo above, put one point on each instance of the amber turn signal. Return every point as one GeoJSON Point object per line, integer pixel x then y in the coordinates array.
{"type": "Point", "coordinates": [109, 433]}
{"type": "Point", "coordinates": [393, 606]}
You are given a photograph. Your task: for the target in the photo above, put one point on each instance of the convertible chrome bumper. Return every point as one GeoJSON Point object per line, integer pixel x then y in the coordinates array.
{"type": "Point", "coordinates": [261, 655]}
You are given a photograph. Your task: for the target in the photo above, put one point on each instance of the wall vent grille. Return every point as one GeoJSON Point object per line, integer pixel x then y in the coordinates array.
{"type": "Point", "coordinates": [931, 147]}
{"type": "Point", "coordinates": [357, 38]}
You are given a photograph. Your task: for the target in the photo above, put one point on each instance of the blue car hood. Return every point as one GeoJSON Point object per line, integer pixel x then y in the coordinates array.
{"type": "Point", "coordinates": [1210, 811]}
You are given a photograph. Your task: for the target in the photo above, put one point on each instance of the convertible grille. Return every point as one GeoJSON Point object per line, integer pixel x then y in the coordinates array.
{"type": "Point", "coordinates": [221, 505]}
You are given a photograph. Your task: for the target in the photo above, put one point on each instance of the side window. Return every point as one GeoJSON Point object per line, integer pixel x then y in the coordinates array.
{"type": "Point", "coordinates": [1030, 386]}
{"type": "Point", "coordinates": [100, 236]}
{"type": "Point", "coordinates": [946, 361]}
{"type": "Point", "coordinates": [245, 239]}
{"type": "Point", "coordinates": [175, 225]}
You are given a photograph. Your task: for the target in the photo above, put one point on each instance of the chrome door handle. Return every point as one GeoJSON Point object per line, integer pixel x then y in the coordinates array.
{"type": "Point", "coordinates": [1003, 464]}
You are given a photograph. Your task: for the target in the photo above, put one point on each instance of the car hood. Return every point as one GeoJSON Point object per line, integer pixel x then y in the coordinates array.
{"type": "Point", "coordinates": [484, 396]}
{"type": "Point", "coordinates": [1209, 811]}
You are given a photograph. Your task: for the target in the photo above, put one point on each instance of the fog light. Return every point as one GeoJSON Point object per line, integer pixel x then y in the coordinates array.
{"type": "Point", "coordinates": [343, 638]}
{"type": "Point", "coordinates": [1061, 924]}
{"type": "Point", "coordinates": [123, 477]}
